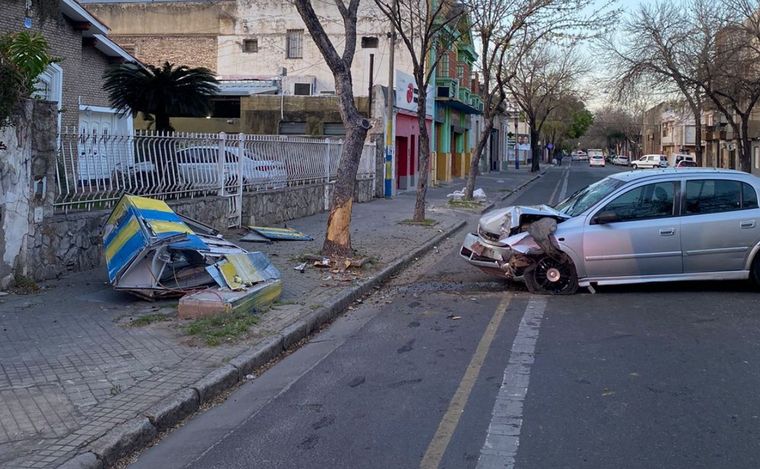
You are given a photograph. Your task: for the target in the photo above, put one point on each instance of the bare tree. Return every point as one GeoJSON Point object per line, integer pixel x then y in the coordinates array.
{"type": "Point", "coordinates": [424, 27]}
{"type": "Point", "coordinates": [660, 54]}
{"type": "Point", "coordinates": [729, 61]}
{"type": "Point", "coordinates": [338, 237]}
{"type": "Point", "coordinates": [507, 30]}
{"type": "Point", "coordinates": [542, 77]}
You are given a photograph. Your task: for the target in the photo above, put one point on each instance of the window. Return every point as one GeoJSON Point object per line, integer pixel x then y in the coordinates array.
{"type": "Point", "coordinates": [250, 46]}
{"type": "Point", "coordinates": [443, 65]}
{"type": "Point", "coordinates": [370, 42]}
{"type": "Point", "coordinates": [588, 196]}
{"type": "Point", "coordinates": [302, 89]}
{"type": "Point", "coordinates": [749, 196]}
{"type": "Point", "coordinates": [643, 203]}
{"type": "Point", "coordinates": [460, 73]}
{"type": "Point", "coordinates": [294, 46]}
{"type": "Point", "coordinates": [713, 196]}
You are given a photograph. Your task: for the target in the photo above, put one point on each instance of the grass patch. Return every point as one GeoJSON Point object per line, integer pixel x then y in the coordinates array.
{"type": "Point", "coordinates": [425, 222]}
{"type": "Point", "coordinates": [23, 285]}
{"type": "Point", "coordinates": [148, 319]}
{"type": "Point", "coordinates": [468, 204]}
{"type": "Point", "coordinates": [226, 327]}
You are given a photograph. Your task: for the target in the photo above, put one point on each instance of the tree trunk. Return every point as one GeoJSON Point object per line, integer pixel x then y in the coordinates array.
{"type": "Point", "coordinates": [475, 161]}
{"type": "Point", "coordinates": [745, 149]}
{"type": "Point", "coordinates": [698, 137]}
{"type": "Point", "coordinates": [424, 153]}
{"type": "Point", "coordinates": [163, 123]}
{"type": "Point", "coordinates": [338, 237]}
{"type": "Point", "coordinates": [535, 149]}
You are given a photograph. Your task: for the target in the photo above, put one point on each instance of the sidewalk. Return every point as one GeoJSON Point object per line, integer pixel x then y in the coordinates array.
{"type": "Point", "coordinates": [73, 369]}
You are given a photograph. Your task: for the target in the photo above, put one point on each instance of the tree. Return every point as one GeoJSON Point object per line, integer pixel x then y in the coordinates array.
{"type": "Point", "coordinates": [338, 237]}
{"type": "Point", "coordinates": [160, 92]}
{"type": "Point", "coordinates": [507, 30]}
{"type": "Point", "coordinates": [569, 121]}
{"type": "Point", "coordinates": [729, 61]}
{"type": "Point", "coordinates": [614, 129]}
{"type": "Point", "coordinates": [424, 28]}
{"type": "Point", "coordinates": [660, 54]}
{"type": "Point", "coordinates": [542, 77]}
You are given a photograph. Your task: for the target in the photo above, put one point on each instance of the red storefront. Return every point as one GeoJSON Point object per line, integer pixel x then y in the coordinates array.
{"type": "Point", "coordinates": [407, 131]}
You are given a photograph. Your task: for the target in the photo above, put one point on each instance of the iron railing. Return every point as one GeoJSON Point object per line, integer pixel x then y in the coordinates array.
{"type": "Point", "coordinates": [94, 170]}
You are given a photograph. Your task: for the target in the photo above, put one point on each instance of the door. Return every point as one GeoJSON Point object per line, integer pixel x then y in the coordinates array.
{"type": "Point", "coordinates": [402, 162]}
{"type": "Point", "coordinates": [636, 234]}
{"type": "Point", "coordinates": [721, 224]}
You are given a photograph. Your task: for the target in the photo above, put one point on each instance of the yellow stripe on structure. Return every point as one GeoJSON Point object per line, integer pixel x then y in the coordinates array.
{"type": "Point", "coordinates": [149, 204]}
{"type": "Point", "coordinates": [159, 227]}
{"type": "Point", "coordinates": [125, 234]}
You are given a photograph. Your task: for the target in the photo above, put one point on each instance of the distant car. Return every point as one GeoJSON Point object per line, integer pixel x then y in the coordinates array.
{"type": "Point", "coordinates": [632, 227]}
{"type": "Point", "coordinates": [621, 160]}
{"type": "Point", "coordinates": [650, 162]}
{"type": "Point", "coordinates": [596, 160]}
{"type": "Point", "coordinates": [686, 164]}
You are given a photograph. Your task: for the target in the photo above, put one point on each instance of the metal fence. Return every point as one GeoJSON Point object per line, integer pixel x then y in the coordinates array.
{"type": "Point", "coordinates": [94, 170]}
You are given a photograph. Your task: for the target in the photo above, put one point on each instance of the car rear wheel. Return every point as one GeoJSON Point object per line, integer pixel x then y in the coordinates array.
{"type": "Point", "coordinates": [552, 276]}
{"type": "Point", "coordinates": [754, 273]}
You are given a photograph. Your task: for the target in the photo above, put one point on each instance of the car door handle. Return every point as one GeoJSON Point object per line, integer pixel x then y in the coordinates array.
{"type": "Point", "coordinates": [747, 224]}
{"type": "Point", "coordinates": [667, 232]}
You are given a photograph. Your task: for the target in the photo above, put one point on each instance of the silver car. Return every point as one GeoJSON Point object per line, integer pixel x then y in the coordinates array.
{"type": "Point", "coordinates": [634, 227]}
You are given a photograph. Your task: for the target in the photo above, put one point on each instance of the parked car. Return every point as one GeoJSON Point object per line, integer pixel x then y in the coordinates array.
{"type": "Point", "coordinates": [631, 227]}
{"type": "Point", "coordinates": [650, 162]}
{"type": "Point", "coordinates": [198, 167]}
{"type": "Point", "coordinates": [686, 164]}
{"type": "Point", "coordinates": [621, 160]}
{"type": "Point", "coordinates": [579, 155]}
{"type": "Point", "coordinates": [596, 160]}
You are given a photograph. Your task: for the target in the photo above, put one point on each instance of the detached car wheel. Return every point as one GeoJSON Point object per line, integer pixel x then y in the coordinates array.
{"type": "Point", "coordinates": [552, 276]}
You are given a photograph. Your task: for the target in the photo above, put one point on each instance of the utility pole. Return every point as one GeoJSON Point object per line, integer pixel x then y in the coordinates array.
{"type": "Point", "coordinates": [389, 144]}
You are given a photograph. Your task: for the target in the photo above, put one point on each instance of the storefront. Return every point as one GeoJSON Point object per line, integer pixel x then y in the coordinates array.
{"type": "Point", "coordinates": [407, 131]}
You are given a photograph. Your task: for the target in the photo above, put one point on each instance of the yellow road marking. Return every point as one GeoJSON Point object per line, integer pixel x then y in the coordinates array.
{"type": "Point", "coordinates": [450, 420]}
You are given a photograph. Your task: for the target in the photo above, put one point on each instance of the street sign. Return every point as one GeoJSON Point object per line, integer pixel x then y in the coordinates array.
{"type": "Point", "coordinates": [549, 146]}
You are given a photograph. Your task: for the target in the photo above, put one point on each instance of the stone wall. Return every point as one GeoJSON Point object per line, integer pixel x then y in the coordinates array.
{"type": "Point", "coordinates": [26, 185]}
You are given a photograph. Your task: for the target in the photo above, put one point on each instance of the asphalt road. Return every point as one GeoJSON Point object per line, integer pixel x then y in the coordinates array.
{"type": "Point", "coordinates": [447, 367]}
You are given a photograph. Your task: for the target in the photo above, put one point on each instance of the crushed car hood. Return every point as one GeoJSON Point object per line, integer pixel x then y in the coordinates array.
{"type": "Point", "coordinates": [503, 221]}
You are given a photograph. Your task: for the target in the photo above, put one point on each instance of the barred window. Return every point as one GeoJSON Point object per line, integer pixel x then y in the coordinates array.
{"type": "Point", "coordinates": [250, 46]}
{"type": "Point", "coordinates": [295, 44]}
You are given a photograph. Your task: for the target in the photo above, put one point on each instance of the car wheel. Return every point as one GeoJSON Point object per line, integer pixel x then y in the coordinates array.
{"type": "Point", "coordinates": [754, 273]}
{"type": "Point", "coordinates": [552, 276]}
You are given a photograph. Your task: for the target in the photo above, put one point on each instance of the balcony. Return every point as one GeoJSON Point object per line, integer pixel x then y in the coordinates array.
{"type": "Point", "coordinates": [476, 102]}
{"type": "Point", "coordinates": [464, 95]}
{"type": "Point", "coordinates": [446, 88]}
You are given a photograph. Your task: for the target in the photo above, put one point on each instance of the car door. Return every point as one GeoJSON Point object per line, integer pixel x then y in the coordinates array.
{"type": "Point", "coordinates": [720, 224]}
{"type": "Point", "coordinates": [636, 234]}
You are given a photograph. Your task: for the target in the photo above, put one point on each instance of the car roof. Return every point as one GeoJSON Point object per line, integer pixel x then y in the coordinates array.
{"type": "Point", "coordinates": [669, 172]}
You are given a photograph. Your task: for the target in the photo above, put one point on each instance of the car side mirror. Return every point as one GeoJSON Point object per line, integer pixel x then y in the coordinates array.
{"type": "Point", "coordinates": [602, 218]}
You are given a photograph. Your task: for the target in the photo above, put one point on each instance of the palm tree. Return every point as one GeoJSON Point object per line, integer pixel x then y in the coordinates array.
{"type": "Point", "coordinates": [160, 92]}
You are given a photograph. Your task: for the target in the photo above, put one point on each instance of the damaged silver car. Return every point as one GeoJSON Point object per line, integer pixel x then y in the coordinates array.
{"type": "Point", "coordinates": [633, 227]}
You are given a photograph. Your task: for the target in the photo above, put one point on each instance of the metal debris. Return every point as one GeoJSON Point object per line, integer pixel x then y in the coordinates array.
{"type": "Point", "coordinates": [152, 252]}
{"type": "Point", "coordinates": [280, 234]}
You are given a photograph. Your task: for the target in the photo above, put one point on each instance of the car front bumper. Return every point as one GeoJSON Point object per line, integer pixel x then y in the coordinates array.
{"type": "Point", "coordinates": [487, 257]}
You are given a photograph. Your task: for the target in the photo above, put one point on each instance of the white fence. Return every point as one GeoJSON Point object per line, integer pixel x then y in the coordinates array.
{"type": "Point", "coordinates": [93, 170]}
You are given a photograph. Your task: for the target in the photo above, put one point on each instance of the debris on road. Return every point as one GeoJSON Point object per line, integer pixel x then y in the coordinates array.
{"type": "Point", "coordinates": [279, 234]}
{"type": "Point", "coordinates": [300, 267]}
{"type": "Point", "coordinates": [478, 194]}
{"type": "Point", "coordinates": [152, 252]}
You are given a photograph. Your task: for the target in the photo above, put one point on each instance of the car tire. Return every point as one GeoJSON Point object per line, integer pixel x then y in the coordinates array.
{"type": "Point", "coordinates": [552, 276]}
{"type": "Point", "coordinates": [754, 272]}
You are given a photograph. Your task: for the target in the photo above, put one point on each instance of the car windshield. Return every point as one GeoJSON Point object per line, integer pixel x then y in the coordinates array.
{"type": "Point", "coordinates": [588, 196]}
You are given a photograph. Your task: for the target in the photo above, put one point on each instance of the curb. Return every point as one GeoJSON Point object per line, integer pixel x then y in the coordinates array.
{"type": "Point", "coordinates": [137, 433]}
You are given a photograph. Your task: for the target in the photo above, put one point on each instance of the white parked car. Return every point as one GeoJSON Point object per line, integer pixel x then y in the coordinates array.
{"type": "Point", "coordinates": [199, 167]}
{"type": "Point", "coordinates": [596, 160]}
{"type": "Point", "coordinates": [621, 160]}
{"type": "Point", "coordinates": [650, 162]}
